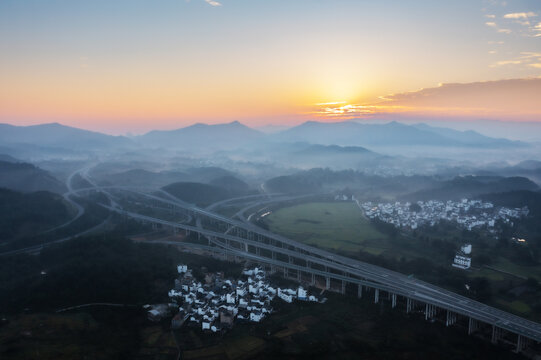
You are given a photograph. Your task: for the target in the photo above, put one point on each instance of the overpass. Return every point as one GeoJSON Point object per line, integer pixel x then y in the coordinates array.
{"type": "Point", "coordinates": [236, 239]}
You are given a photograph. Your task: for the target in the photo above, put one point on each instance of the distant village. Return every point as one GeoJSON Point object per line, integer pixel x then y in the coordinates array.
{"type": "Point", "coordinates": [218, 303]}
{"type": "Point", "coordinates": [469, 214]}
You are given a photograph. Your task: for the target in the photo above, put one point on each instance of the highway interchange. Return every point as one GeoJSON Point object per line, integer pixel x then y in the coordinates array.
{"type": "Point", "coordinates": [329, 265]}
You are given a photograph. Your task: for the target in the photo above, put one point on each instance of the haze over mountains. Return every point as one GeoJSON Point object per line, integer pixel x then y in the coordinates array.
{"type": "Point", "coordinates": [58, 136]}
{"type": "Point", "coordinates": [388, 134]}
{"type": "Point", "coordinates": [26, 177]}
{"type": "Point", "coordinates": [142, 177]}
{"type": "Point", "coordinates": [160, 157]}
{"type": "Point", "coordinates": [235, 134]}
{"type": "Point", "coordinates": [406, 187]}
{"type": "Point", "coordinates": [214, 136]}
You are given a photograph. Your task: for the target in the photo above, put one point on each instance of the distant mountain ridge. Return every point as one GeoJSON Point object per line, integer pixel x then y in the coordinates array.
{"type": "Point", "coordinates": [228, 135]}
{"type": "Point", "coordinates": [468, 137]}
{"type": "Point", "coordinates": [8, 158]}
{"type": "Point", "coordinates": [59, 136]}
{"type": "Point", "coordinates": [334, 149]}
{"type": "Point", "coordinates": [55, 140]}
{"type": "Point", "coordinates": [350, 133]}
{"type": "Point", "coordinates": [528, 165]}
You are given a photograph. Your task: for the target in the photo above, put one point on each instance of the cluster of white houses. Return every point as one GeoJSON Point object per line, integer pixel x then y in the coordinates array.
{"type": "Point", "coordinates": [467, 213]}
{"type": "Point", "coordinates": [219, 302]}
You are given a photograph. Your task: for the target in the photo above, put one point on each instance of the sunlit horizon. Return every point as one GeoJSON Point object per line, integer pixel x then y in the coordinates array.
{"type": "Point", "coordinates": [170, 64]}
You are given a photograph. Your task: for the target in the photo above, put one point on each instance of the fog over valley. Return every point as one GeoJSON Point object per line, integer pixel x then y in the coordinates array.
{"type": "Point", "coordinates": [237, 180]}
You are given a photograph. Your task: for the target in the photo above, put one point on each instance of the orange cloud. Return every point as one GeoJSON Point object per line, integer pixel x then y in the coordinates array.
{"type": "Point", "coordinates": [503, 99]}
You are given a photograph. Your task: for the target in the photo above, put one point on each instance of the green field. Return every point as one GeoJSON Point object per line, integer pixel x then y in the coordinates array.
{"type": "Point", "coordinates": [333, 225]}
{"type": "Point", "coordinates": [518, 270]}
{"type": "Point", "coordinates": [517, 306]}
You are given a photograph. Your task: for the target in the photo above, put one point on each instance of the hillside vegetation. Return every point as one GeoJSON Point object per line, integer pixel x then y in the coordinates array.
{"type": "Point", "coordinates": [415, 187]}
{"type": "Point", "coordinates": [28, 178]}
{"type": "Point", "coordinates": [204, 194]}
{"type": "Point", "coordinates": [474, 186]}
{"type": "Point", "coordinates": [197, 193]}
{"type": "Point", "coordinates": [27, 214]}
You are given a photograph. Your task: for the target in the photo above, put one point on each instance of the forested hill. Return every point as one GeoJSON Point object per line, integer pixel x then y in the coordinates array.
{"type": "Point", "coordinates": [474, 186]}
{"type": "Point", "coordinates": [26, 177]}
{"type": "Point", "coordinates": [27, 214]}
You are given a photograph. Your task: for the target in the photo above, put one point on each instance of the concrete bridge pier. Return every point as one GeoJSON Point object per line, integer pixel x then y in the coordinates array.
{"type": "Point", "coordinates": [327, 283]}
{"type": "Point", "coordinates": [360, 291]}
{"type": "Point", "coordinates": [472, 326]}
{"type": "Point", "coordinates": [450, 318]}
{"type": "Point", "coordinates": [393, 301]}
{"type": "Point", "coordinates": [273, 256]}
{"type": "Point", "coordinates": [343, 290]}
{"type": "Point", "coordinates": [430, 311]}
{"type": "Point", "coordinates": [496, 334]}
{"type": "Point", "coordinates": [408, 305]}
{"type": "Point", "coordinates": [313, 281]}
{"type": "Point", "coordinates": [376, 296]}
{"type": "Point", "coordinates": [522, 343]}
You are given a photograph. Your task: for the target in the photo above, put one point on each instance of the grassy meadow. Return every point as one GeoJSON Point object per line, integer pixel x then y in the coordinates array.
{"type": "Point", "coordinates": [332, 225]}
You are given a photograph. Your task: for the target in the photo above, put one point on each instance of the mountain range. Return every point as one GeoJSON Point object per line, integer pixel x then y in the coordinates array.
{"type": "Point", "coordinates": [59, 136]}
{"type": "Point", "coordinates": [351, 133]}
{"type": "Point", "coordinates": [220, 136]}
{"type": "Point", "coordinates": [23, 141]}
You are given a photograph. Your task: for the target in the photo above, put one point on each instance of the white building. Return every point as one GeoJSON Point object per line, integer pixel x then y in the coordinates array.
{"type": "Point", "coordinates": [302, 294]}
{"type": "Point", "coordinates": [230, 298]}
{"type": "Point", "coordinates": [205, 325]}
{"type": "Point", "coordinates": [284, 296]}
{"type": "Point", "coordinates": [462, 262]}
{"type": "Point", "coordinates": [246, 300]}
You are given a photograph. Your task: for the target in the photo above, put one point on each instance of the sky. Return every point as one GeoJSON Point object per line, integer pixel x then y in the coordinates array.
{"type": "Point", "coordinates": [134, 65]}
